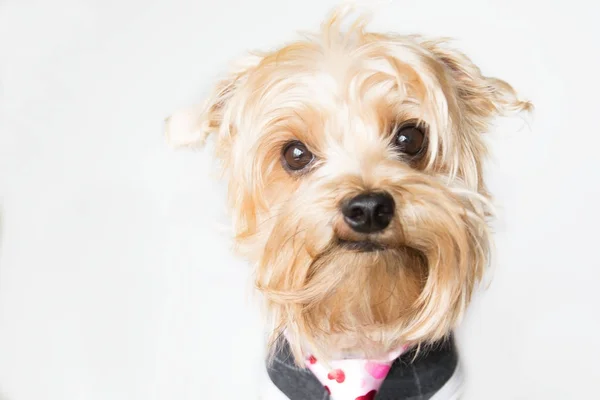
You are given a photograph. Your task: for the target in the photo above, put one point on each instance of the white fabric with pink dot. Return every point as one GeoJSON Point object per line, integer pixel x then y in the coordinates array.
{"type": "Point", "coordinates": [354, 378]}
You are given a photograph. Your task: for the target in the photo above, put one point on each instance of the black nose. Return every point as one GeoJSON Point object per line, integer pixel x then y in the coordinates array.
{"type": "Point", "coordinates": [369, 212]}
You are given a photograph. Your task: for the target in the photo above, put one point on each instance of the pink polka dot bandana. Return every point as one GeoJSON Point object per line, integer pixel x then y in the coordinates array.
{"type": "Point", "coordinates": [353, 379]}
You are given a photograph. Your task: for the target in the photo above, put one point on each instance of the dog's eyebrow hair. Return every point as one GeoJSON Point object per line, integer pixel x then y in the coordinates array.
{"type": "Point", "coordinates": [298, 115]}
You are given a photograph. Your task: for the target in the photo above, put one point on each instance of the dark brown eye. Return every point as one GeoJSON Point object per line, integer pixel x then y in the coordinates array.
{"type": "Point", "coordinates": [410, 139]}
{"type": "Point", "coordinates": [296, 156]}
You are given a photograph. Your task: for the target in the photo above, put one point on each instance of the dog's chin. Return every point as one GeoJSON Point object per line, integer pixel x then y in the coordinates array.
{"type": "Point", "coordinates": [361, 246]}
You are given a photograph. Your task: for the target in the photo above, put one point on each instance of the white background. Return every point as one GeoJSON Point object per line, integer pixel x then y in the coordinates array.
{"type": "Point", "coordinates": [116, 281]}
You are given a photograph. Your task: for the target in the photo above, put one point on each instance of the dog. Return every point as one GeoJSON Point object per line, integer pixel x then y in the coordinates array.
{"type": "Point", "coordinates": [355, 183]}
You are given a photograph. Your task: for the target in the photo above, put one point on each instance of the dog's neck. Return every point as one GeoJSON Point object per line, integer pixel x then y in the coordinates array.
{"type": "Point", "coordinates": [343, 347]}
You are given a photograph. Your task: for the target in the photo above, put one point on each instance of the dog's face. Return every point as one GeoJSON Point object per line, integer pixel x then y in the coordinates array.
{"type": "Point", "coordinates": [355, 183]}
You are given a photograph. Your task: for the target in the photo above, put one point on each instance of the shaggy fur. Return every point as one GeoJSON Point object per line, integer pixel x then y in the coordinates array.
{"type": "Point", "coordinates": [343, 92]}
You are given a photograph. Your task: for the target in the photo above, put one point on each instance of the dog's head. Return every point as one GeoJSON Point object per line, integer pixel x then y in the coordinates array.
{"type": "Point", "coordinates": [354, 163]}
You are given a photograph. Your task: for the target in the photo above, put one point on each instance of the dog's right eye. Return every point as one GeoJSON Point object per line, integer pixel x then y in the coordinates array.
{"type": "Point", "coordinates": [410, 139]}
{"type": "Point", "coordinates": [296, 156]}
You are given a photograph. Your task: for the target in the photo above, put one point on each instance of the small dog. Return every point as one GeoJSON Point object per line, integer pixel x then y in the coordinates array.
{"type": "Point", "coordinates": [354, 169]}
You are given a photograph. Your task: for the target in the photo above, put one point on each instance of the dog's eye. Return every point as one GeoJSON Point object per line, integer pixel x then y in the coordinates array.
{"type": "Point", "coordinates": [296, 156]}
{"type": "Point", "coordinates": [409, 139]}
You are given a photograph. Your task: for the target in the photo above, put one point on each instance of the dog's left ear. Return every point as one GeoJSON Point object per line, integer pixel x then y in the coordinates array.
{"type": "Point", "coordinates": [483, 97]}
{"type": "Point", "coordinates": [191, 126]}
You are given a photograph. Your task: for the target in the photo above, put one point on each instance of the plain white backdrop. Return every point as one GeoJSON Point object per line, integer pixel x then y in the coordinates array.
{"type": "Point", "coordinates": [116, 279]}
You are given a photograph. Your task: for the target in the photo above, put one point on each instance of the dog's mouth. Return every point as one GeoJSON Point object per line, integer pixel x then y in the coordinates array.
{"type": "Point", "coordinates": [361, 246]}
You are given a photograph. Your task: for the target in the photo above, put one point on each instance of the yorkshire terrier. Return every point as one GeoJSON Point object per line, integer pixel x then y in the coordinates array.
{"type": "Point", "coordinates": [354, 169]}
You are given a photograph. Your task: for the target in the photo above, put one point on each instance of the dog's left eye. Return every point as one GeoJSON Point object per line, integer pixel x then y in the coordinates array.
{"type": "Point", "coordinates": [409, 139]}
{"type": "Point", "coordinates": [296, 156]}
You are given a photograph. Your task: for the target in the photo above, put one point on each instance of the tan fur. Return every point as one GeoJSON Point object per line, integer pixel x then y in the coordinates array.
{"type": "Point", "coordinates": [341, 92]}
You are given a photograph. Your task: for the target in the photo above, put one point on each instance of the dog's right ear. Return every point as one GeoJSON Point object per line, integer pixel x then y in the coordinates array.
{"type": "Point", "coordinates": [191, 126]}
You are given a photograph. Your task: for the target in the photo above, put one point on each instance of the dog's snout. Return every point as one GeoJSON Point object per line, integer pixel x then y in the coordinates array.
{"type": "Point", "coordinates": [369, 212]}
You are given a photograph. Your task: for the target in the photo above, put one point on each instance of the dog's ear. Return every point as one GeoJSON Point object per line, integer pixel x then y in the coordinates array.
{"type": "Point", "coordinates": [483, 97]}
{"type": "Point", "coordinates": [191, 126]}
